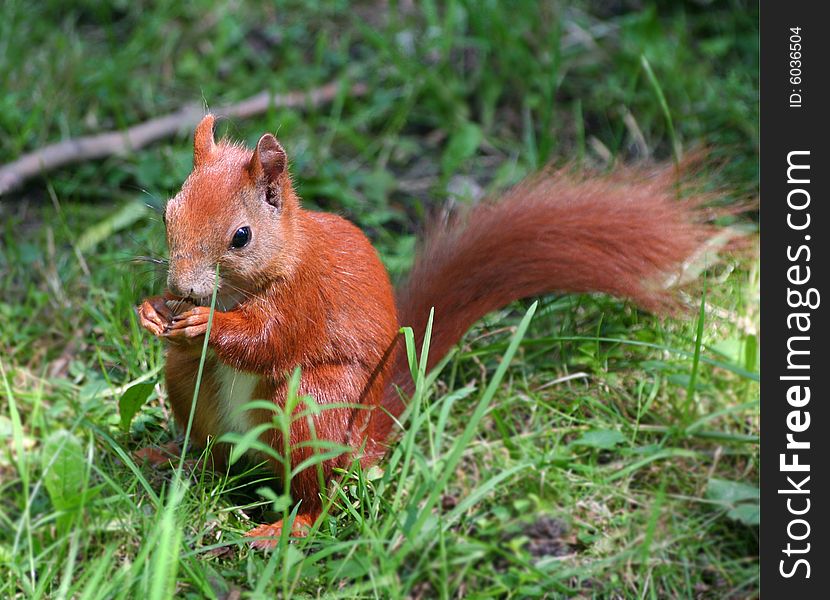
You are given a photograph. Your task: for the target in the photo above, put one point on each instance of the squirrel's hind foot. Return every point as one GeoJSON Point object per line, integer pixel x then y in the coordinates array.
{"type": "Point", "coordinates": [268, 535]}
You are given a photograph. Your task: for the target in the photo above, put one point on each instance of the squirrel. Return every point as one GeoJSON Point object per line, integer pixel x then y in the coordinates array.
{"type": "Point", "coordinates": [308, 289]}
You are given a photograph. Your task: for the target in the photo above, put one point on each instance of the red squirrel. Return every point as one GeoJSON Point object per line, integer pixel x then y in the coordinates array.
{"type": "Point", "coordinates": [302, 288]}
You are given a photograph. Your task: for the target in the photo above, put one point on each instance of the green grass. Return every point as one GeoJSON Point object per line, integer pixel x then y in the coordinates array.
{"type": "Point", "coordinates": [596, 451]}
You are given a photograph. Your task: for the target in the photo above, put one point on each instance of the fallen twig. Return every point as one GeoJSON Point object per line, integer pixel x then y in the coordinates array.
{"type": "Point", "coordinates": [92, 147]}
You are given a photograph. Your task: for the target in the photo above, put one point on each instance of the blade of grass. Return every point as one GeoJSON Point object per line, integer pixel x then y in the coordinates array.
{"type": "Point", "coordinates": [165, 556]}
{"type": "Point", "coordinates": [664, 106]}
{"type": "Point", "coordinates": [199, 375]}
{"type": "Point", "coordinates": [467, 435]}
{"type": "Point", "coordinates": [689, 409]}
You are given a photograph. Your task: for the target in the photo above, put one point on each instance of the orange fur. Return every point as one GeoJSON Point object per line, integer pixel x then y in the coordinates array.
{"type": "Point", "coordinates": [623, 234]}
{"type": "Point", "coordinates": [309, 290]}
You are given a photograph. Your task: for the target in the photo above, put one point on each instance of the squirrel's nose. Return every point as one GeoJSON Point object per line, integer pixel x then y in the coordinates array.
{"type": "Point", "coordinates": [180, 284]}
{"type": "Point", "coordinates": [179, 290]}
{"type": "Point", "coordinates": [190, 285]}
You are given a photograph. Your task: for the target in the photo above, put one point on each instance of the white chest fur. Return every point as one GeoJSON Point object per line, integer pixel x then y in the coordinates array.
{"type": "Point", "coordinates": [236, 388]}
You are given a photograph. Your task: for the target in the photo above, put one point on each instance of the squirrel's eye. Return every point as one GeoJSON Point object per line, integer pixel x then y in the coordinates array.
{"type": "Point", "coordinates": [241, 237]}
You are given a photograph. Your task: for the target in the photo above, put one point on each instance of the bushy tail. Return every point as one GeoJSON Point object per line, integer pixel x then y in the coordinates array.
{"type": "Point", "coordinates": [623, 234]}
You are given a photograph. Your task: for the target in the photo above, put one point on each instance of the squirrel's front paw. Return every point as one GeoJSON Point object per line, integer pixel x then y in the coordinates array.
{"type": "Point", "coordinates": [189, 325]}
{"type": "Point", "coordinates": [154, 315]}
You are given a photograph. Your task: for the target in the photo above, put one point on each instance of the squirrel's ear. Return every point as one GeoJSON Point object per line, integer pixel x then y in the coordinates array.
{"type": "Point", "coordinates": [203, 144]}
{"type": "Point", "coordinates": [267, 166]}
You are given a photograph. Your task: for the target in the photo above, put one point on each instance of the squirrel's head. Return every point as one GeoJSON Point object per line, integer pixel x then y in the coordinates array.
{"type": "Point", "coordinates": [236, 210]}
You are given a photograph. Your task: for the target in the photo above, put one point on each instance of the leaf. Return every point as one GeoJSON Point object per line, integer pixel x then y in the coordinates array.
{"type": "Point", "coordinates": [747, 513]}
{"type": "Point", "coordinates": [64, 474]}
{"type": "Point", "coordinates": [250, 440]}
{"type": "Point", "coordinates": [731, 492]}
{"type": "Point", "coordinates": [373, 473]}
{"type": "Point", "coordinates": [730, 348]}
{"type": "Point", "coordinates": [131, 401]}
{"type": "Point", "coordinates": [278, 503]}
{"type": "Point", "coordinates": [122, 218]}
{"type": "Point", "coordinates": [602, 439]}
{"type": "Point", "coordinates": [741, 500]}
{"type": "Point", "coordinates": [462, 145]}
{"type": "Point", "coordinates": [740, 351]}
{"type": "Point", "coordinates": [6, 428]}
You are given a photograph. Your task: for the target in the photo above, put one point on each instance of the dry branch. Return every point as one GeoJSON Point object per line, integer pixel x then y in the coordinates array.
{"type": "Point", "coordinates": [92, 147]}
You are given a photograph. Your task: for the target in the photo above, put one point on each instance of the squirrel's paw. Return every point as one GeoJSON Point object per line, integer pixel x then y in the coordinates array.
{"type": "Point", "coordinates": [154, 315]}
{"type": "Point", "coordinates": [189, 325]}
{"type": "Point", "coordinates": [273, 531]}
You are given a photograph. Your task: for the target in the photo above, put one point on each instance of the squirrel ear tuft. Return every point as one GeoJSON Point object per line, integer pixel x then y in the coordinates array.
{"type": "Point", "coordinates": [267, 166]}
{"type": "Point", "coordinates": [203, 144]}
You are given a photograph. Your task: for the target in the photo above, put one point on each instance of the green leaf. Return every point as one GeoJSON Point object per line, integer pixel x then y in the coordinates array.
{"type": "Point", "coordinates": [278, 503]}
{"type": "Point", "coordinates": [731, 492]}
{"type": "Point", "coordinates": [740, 351]}
{"type": "Point", "coordinates": [462, 145]}
{"type": "Point", "coordinates": [374, 473]}
{"type": "Point", "coordinates": [602, 439]}
{"type": "Point", "coordinates": [122, 218]}
{"type": "Point", "coordinates": [64, 474]}
{"type": "Point", "coordinates": [747, 513]}
{"type": "Point", "coordinates": [250, 440]}
{"type": "Point", "coordinates": [741, 500]}
{"type": "Point", "coordinates": [131, 401]}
